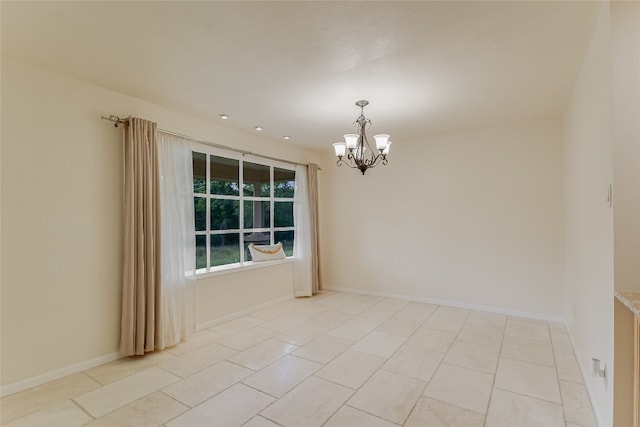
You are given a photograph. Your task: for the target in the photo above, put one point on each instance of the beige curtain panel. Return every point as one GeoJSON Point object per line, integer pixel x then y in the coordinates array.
{"type": "Point", "coordinates": [316, 282]}
{"type": "Point", "coordinates": [141, 280]}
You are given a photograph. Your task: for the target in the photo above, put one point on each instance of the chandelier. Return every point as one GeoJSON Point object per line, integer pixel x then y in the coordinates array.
{"type": "Point", "coordinates": [360, 153]}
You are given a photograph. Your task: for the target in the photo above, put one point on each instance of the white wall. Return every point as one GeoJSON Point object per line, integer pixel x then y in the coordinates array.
{"type": "Point", "coordinates": [473, 217]}
{"type": "Point", "coordinates": [588, 168]}
{"type": "Point", "coordinates": [62, 227]}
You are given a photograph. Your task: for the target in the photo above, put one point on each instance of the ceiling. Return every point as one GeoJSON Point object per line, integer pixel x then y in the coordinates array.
{"type": "Point", "coordinates": [297, 68]}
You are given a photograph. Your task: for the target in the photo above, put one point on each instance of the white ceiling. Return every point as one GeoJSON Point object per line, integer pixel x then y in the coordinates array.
{"type": "Point", "coordinates": [296, 68]}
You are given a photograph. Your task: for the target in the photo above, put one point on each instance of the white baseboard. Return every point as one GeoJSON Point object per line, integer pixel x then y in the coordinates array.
{"type": "Point", "coordinates": [585, 374]}
{"type": "Point", "coordinates": [210, 323]}
{"type": "Point", "coordinates": [448, 303]}
{"type": "Point", "coordinates": [58, 373]}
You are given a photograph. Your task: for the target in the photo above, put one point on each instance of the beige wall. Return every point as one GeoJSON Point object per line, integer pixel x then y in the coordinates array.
{"type": "Point", "coordinates": [588, 169]}
{"type": "Point", "coordinates": [625, 56]}
{"type": "Point", "coordinates": [472, 217]}
{"type": "Point", "coordinates": [221, 296]}
{"type": "Point", "coordinates": [61, 220]}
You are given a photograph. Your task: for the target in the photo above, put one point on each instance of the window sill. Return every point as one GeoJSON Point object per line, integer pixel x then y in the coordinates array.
{"type": "Point", "coordinates": [235, 268]}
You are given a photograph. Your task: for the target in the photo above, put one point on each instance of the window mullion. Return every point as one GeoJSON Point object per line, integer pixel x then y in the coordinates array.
{"type": "Point", "coordinates": [271, 205]}
{"type": "Point", "coordinates": [208, 213]}
{"type": "Point", "coordinates": [241, 219]}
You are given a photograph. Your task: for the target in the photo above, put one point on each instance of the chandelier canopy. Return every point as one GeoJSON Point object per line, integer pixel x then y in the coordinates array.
{"type": "Point", "coordinates": [360, 154]}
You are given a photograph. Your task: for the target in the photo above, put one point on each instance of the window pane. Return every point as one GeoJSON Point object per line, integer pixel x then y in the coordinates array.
{"type": "Point", "coordinates": [199, 172]}
{"type": "Point", "coordinates": [201, 251]}
{"type": "Point", "coordinates": [200, 211]}
{"type": "Point", "coordinates": [284, 182]}
{"type": "Point", "coordinates": [283, 214]}
{"type": "Point", "coordinates": [259, 238]}
{"type": "Point", "coordinates": [224, 176]}
{"type": "Point", "coordinates": [225, 249]}
{"type": "Point", "coordinates": [257, 214]}
{"type": "Point", "coordinates": [286, 237]}
{"type": "Point", "coordinates": [225, 214]}
{"type": "Point", "coordinates": [256, 180]}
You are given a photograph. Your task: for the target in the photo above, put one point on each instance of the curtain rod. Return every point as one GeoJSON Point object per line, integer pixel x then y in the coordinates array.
{"type": "Point", "coordinates": [119, 121]}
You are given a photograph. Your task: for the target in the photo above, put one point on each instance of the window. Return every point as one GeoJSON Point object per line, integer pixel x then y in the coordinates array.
{"type": "Point", "coordinates": [236, 203]}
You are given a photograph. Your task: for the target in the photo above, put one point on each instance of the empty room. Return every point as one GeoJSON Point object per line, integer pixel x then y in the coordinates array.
{"type": "Point", "coordinates": [320, 213]}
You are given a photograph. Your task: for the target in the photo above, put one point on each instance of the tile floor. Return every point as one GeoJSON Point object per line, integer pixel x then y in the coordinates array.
{"type": "Point", "coordinates": [332, 360]}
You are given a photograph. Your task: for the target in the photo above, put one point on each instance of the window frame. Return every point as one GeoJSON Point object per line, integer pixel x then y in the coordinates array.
{"type": "Point", "coordinates": [241, 198]}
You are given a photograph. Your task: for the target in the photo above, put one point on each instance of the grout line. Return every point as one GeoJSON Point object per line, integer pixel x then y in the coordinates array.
{"type": "Point", "coordinates": [305, 308]}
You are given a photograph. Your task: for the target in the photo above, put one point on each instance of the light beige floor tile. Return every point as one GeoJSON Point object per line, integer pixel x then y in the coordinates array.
{"type": "Point", "coordinates": [379, 344]}
{"type": "Point", "coordinates": [245, 339]}
{"type": "Point", "coordinates": [115, 395]}
{"type": "Point", "coordinates": [480, 334]}
{"type": "Point", "coordinates": [529, 379]}
{"type": "Point", "coordinates": [353, 307]}
{"type": "Point", "coordinates": [461, 387]}
{"type": "Point", "coordinates": [351, 417]}
{"type": "Point", "coordinates": [392, 304]}
{"type": "Point", "coordinates": [388, 395]}
{"type": "Point", "coordinates": [473, 356]}
{"type": "Point", "coordinates": [402, 326]}
{"type": "Point", "coordinates": [259, 421]}
{"type": "Point", "coordinates": [324, 348]}
{"type": "Point", "coordinates": [369, 299]}
{"type": "Point", "coordinates": [35, 399]}
{"type": "Point", "coordinates": [351, 368]}
{"type": "Point", "coordinates": [204, 384]}
{"type": "Point", "coordinates": [65, 414]}
{"type": "Point", "coordinates": [375, 315]}
{"type": "Point", "coordinates": [576, 403]}
{"type": "Point", "coordinates": [237, 325]}
{"type": "Point", "coordinates": [353, 329]}
{"type": "Point", "coordinates": [285, 322]}
{"type": "Point", "coordinates": [417, 311]}
{"type": "Point", "coordinates": [432, 339]}
{"type": "Point", "coordinates": [282, 375]}
{"type": "Point", "coordinates": [195, 341]}
{"type": "Point", "coordinates": [447, 319]}
{"type": "Point", "coordinates": [433, 413]}
{"type": "Point", "coordinates": [302, 334]}
{"type": "Point", "coordinates": [492, 320]}
{"type": "Point", "coordinates": [232, 407]}
{"type": "Point", "coordinates": [263, 354]}
{"type": "Point", "coordinates": [527, 350]}
{"type": "Point", "coordinates": [568, 369]}
{"type": "Point", "coordinates": [558, 327]}
{"type": "Point", "coordinates": [194, 361]}
{"type": "Point", "coordinates": [528, 329]}
{"type": "Point", "coordinates": [274, 311]}
{"type": "Point", "coordinates": [414, 362]}
{"type": "Point", "coordinates": [310, 404]}
{"type": "Point", "coordinates": [122, 368]}
{"type": "Point", "coordinates": [330, 319]}
{"type": "Point", "coordinates": [327, 326]}
{"type": "Point", "coordinates": [561, 343]}
{"type": "Point", "coordinates": [509, 409]}
{"type": "Point", "coordinates": [311, 311]}
{"type": "Point", "coordinates": [150, 411]}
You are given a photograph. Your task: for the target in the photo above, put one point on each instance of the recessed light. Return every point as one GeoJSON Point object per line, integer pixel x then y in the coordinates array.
{"type": "Point", "coordinates": [258, 128]}
{"type": "Point", "coordinates": [286, 137]}
{"type": "Point", "coordinates": [224, 116]}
